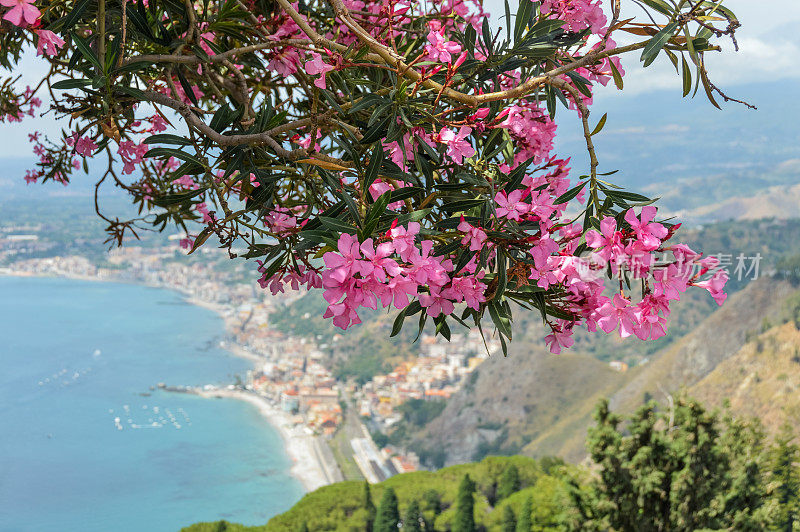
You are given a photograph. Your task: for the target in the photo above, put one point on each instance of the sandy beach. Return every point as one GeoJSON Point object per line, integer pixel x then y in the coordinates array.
{"type": "Point", "coordinates": [308, 464]}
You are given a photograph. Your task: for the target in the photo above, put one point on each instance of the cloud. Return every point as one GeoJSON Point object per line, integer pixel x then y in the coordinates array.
{"type": "Point", "coordinates": [766, 54]}
{"type": "Point", "coordinates": [758, 59]}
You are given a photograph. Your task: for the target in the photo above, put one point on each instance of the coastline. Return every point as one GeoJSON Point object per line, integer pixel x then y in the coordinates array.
{"type": "Point", "coordinates": [308, 465]}
{"type": "Point", "coordinates": [300, 444]}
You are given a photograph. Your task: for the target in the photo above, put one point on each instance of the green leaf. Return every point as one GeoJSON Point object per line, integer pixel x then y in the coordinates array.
{"type": "Point", "coordinates": [569, 194]}
{"type": "Point", "coordinates": [501, 274]}
{"type": "Point", "coordinates": [661, 6]}
{"type": "Point", "coordinates": [687, 77]}
{"type": "Point", "coordinates": [71, 84]}
{"type": "Point", "coordinates": [397, 326]}
{"type": "Point", "coordinates": [523, 15]}
{"type": "Point", "coordinates": [487, 35]}
{"type": "Point", "coordinates": [658, 41]}
{"type": "Point", "coordinates": [442, 327]}
{"type": "Point", "coordinates": [616, 74]}
{"type": "Point", "coordinates": [172, 152]}
{"type": "Point", "coordinates": [86, 51]}
{"type": "Point", "coordinates": [164, 138]}
{"type": "Point", "coordinates": [337, 225]}
{"type": "Point", "coordinates": [374, 166]}
{"type": "Point", "coordinates": [707, 88]}
{"type": "Point", "coordinates": [498, 318]}
{"type": "Point", "coordinates": [75, 15]}
{"type": "Point", "coordinates": [130, 91]}
{"type": "Point", "coordinates": [174, 199]}
{"type": "Point", "coordinates": [462, 205]}
{"type": "Point", "coordinates": [187, 88]}
{"type": "Point", "coordinates": [599, 125]}
{"type": "Point", "coordinates": [377, 131]}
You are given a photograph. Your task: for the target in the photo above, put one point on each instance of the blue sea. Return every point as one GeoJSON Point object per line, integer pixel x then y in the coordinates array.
{"type": "Point", "coordinates": [76, 355]}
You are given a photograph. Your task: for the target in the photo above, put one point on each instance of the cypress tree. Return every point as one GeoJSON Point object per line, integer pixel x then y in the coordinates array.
{"type": "Point", "coordinates": [388, 516]}
{"type": "Point", "coordinates": [465, 503]}
{"type": "Point", "coordinates": [368, 505]}
{"type": "Point", "coordinates": [509, 482]}
{"type": "Point", "coordinates": [509, 519]}
{"type": "Point", "coordinates": [412, 522]}
{"type": "Point", "coordinates": [786, 479]}
{"type": "Point", "coordinates": [433, 502]}
{"type": "Point", "coordinates": [524, 520]}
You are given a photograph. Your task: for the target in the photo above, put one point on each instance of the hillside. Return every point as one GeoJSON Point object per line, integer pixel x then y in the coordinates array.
{"type": "Point", "coordinates": [341, 506]}
{"type": "Point", "coordinates": [761, 380]}
{"type": "Point", "coordinates": [717, 338]}
{"type": "Point", "coordinates": [515, 400]}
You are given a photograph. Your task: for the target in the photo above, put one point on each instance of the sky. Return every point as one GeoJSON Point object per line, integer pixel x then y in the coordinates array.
{"type": "Point", "coordinates": [767, 53]}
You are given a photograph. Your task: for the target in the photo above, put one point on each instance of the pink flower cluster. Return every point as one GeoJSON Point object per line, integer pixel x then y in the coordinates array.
{"type": "Point", "coordinates": [132, 154]}
{"type": "Point", "coordinates": [294, 277]}
{"type": "Point", "coordinates": [577, 14]}
{"type": "Point", "coordinates": [394, 272]}
{"type": "Point", "coordinates": [282, 221]}
{"type": "Point", "coordinates": [532, 129]}
{"type": "Point", "coordinates": [84, 146]}
{"type": "Point", "coordinates": [439, 48]}
{"type": "Point", "coordinates": [22, 13]}
{"type": "Point", "coordinates": [632, 251]}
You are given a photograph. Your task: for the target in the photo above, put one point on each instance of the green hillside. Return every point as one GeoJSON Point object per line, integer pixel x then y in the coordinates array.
{"type": "Point", "coordinates": [674, 467]}
{"type": "Point", "coordinates": [341, 506]}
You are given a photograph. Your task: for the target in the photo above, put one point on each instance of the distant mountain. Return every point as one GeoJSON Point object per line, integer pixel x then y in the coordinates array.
{"type": "Point", "coordinates": [692, 155]}
{"type": "Point", "coordinates": [516, 400]}
{"type": "Point", "coordinates": [762, 379]}
{"type": "Point", "coordinates": [539, 404]}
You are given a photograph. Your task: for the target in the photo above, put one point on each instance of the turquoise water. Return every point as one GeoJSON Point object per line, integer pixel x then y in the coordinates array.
{"type": "Point", "coordinates": [71, 352]}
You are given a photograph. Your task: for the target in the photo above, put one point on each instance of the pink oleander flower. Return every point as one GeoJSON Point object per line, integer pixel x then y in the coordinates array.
{"type": "Point", "coordinates": [400, 289]}
{"type": "Point", "coordinates": [577, 14]}
{"type": "Point", "coordinates": [436, 303]}
{"type": "Point", "coordinates": [670, 282]}
{"type": "Point", "coordinates": [202, 208]}
{"type": "Point", "coordinates": [284, 62]}
{"type": "Point", "coordinates": [84, 146]}
{"type": "Point", "coordinates": [404, 239]}
{"type": "Point", "coordinates": [49, 43]}
{"type": "Point", "coordinates": [427, 269]}
{"type": "Point", "coordinates": [131, 154]}
{"type": "Point", "coordinates": [280, 221]}
{"type": "Point", "coordinates": [457, 147]}
{"type": "Point", "coordinates": [186, 243]}
{"type": "Point", "coordinates": [511, 205]}
{"type": "Point", "coordinates": [532, 128]}
{"type": "Point", "coordinates": [608, 240]}
{"type": "Point", "coordinates": [651, 315]}
{"type": "Point", "coordinates": [474, 236]}
{"type": "Point", "coordinates": [542, 205]}
{"type": "Point", "coordinates": [377, 262]}
{"type": "Point", "coordinates": [158, 123]}
{"type": "Point", "coordinates": [542, 250]}
{"type": "Point", "coordinates": [560, 338]}
{"type": "Point", "coordinates": [187, 182]}
{"type": "Point", "coordinates": [22, 12]}
{"type": "Point", "coordinates": [469, 290]}
{"type": "Point", "coordinates": [439, 49]}
{"type": "Point", "coordinates": [715, 286]}
{"type": "Point", "coordinates": [649, 233]}
{"type": "Point", "coordinates": [318, 66]}
{"type": "Point", "coordinates": [617, 312]}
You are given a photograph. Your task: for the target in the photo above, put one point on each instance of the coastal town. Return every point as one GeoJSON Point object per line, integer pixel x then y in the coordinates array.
{"type": "Point", "coordinates": [291, 381]}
